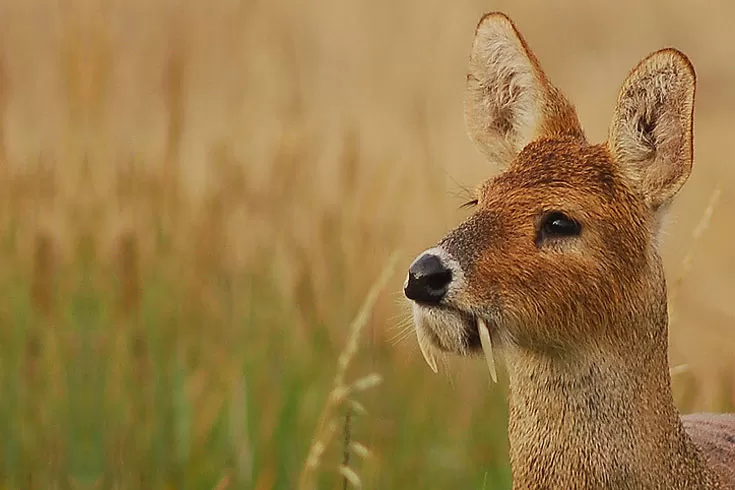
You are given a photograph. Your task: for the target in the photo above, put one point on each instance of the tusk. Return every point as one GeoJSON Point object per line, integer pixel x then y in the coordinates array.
{"type": "Point", "coordinates": [487, 347]}
{"type": "Point", "coordinates": [426, 351]}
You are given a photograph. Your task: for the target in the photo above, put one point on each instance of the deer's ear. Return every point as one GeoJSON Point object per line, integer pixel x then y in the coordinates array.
{"type": "Point", "coordinates": [651, 132]}
{"type": "Point", "coordinates": [508, 100]}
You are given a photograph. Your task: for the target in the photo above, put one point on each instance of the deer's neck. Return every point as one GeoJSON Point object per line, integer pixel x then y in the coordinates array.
{"type": "Point", "coordinates": [598, 421]}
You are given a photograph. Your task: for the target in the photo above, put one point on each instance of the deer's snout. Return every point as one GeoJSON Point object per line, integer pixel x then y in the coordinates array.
{"type": "Point", "coordinates": [428, 280]}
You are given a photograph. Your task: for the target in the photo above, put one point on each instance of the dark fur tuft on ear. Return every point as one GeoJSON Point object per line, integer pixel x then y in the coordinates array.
{"type": "Point", "coordinates": [651, 134]}
{"type": "Point", "coordinates": [509, 101]}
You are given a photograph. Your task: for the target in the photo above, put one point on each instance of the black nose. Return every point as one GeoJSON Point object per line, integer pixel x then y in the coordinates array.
{"type": "Point", "coordinates": [428, 280]}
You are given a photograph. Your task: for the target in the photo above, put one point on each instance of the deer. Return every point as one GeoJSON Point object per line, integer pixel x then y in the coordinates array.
{"type": "Point", "coordinates": [557, 271]}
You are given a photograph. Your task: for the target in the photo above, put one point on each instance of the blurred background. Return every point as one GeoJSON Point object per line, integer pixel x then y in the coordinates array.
{"type": "Point", "coordinates": [195, 198]}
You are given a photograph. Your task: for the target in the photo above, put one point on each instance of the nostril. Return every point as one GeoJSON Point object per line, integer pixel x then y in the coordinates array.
{"type": "Point", "coordinates": [428, 280]}
{"type": "Point", "coordinates": [440, 279]}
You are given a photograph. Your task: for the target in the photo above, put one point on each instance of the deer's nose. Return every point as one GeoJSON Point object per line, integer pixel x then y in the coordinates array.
{"type": "Point", "coordinates": [428, 280]}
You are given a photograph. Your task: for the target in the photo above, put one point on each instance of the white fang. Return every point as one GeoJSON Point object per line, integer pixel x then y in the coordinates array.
{"type": "Point", "coordinates": [426, 351]}
{"type": "Point", "coordinates": [487, 347]}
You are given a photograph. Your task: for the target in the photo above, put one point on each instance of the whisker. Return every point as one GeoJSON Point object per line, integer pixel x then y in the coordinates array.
{"type": "Point", "coordinates": [404, 331]}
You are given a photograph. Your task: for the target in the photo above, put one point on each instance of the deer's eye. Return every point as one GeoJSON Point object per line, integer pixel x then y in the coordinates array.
{"type": "Point", "coordinates": [558, 224]}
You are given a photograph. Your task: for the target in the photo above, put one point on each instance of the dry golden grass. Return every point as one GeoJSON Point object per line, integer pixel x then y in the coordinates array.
{"type": "Point", "coordinates": [195, 197]}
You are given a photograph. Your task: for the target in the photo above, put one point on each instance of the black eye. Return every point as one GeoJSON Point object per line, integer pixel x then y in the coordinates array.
{"type": "Point", "coordinates": [558, 224]}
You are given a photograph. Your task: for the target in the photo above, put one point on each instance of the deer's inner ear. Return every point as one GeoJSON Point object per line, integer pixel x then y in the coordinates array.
{"type": "Point", "coordinates": [651, 132]}
{"type": "Point", "coordinates": [509, 101]}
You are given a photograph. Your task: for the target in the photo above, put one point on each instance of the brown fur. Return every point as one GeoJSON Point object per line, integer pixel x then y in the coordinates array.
{"type": "Point", "coordinates": [715, 434]}
{"type": "Point", "coordinates": [581, 322]}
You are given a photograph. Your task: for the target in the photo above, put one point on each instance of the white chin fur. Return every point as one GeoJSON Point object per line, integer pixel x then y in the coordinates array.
{"type": "Point", "coordinates": [447, 330]}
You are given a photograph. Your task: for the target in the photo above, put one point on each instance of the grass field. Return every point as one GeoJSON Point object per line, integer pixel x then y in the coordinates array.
{"type": "Point", "coordinates": [197, 197]}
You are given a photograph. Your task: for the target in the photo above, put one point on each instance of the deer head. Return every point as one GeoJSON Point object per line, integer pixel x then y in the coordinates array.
{"type": "Point", "coordinates": [560, 252]}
